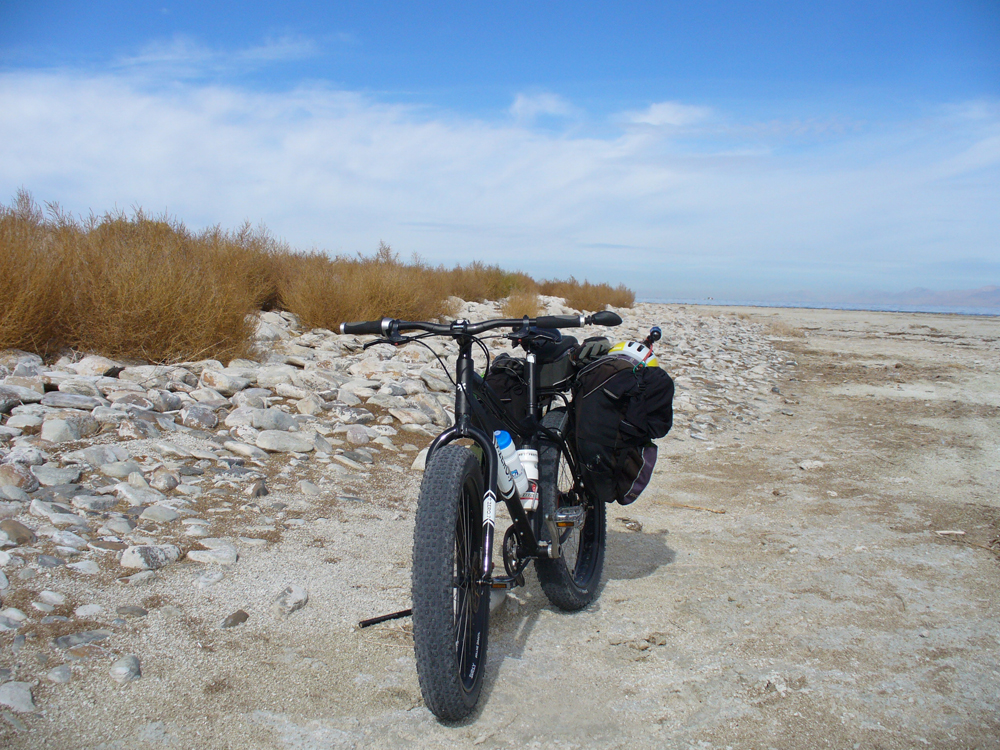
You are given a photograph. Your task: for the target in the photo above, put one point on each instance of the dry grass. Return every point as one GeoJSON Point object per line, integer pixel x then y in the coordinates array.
{"type": "Point", "coordinates": [326, 291]}
{"type": "Point", "coordinates": [521, 303]}
{"type": "Point", "coordinates": [783, 330]}
{"type": "Point", "coordinates": [582, 295]}
{"type": "Point", "coordinates": [142, 287]}
{"type": "Point", "coordinates": [127, 287]}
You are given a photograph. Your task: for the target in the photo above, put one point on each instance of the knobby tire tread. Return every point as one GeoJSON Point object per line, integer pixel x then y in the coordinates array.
{"type": "Point", "coordinates": [439, 662]}
{"type": "Point", "coordinates": [563, 589]}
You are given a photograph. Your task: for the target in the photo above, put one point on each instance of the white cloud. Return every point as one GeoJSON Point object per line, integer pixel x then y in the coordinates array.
{"type": "Point", "coordinates": [672, 114]}
{"type": "Point", "coordinates": [184, 57]}
{"type": "Point", "coordinates": [338, 171]}
{"type": "Point", "coordinates": [527, 107]}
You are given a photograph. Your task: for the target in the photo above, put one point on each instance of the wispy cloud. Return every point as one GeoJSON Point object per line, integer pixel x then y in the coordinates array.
{"type": "Point", "coordinates": [672, 114]}
{"type": "Point", "coordinates": [527, 107]}
{"type": "Point", "coordinates": [185, 57]}
{"type": "Point", "coordinates": [873, 207]}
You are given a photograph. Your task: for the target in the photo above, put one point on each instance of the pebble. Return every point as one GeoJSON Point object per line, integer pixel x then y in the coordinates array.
{"type": "Point", "coordinates": [208, 578]}
{"type": "Point", "coordinates": [86, 567]}
{"type": "Point", "coordinates": [64, 642]}
{"type": "Point", "coordinates": [150, 557]}
{"type": "Point", "coordinates": [276, 441]}
{"type": "Point", "coordinates": [52, 598]}
{"type": "Point", "coordinates": [236, 618]}
{"type": "Point", "coordinates": [60, 675]}
{"type": "Point", "coordinates": [218, 552]}
{"type": "Point", "coordinates": [308, 488]}
{"type": "Point", "coordinates": [126, 669]}
{"type": "Point", "coordinates": [159, 514]}
{"type": "Point", "coordinates": [17, 697]}
{"type": "Point", "coordinates": [131, 611]}
{"type": "Point", "coordinates": [88, 610]}
{"type": "Point", "coordinates": [291, 599]}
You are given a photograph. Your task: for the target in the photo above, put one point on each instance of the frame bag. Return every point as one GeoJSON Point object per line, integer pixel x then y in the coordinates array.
{"type": "Point", "coordinates": [619, 410]}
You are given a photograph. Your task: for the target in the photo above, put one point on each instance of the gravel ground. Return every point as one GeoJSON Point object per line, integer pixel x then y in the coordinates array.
{"type": "Point", "coordinates": [822, 608]}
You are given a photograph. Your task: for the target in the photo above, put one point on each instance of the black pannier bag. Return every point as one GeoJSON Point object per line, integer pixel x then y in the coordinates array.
{"type": "Point", "coordinates": [619, 410]}
{"type": "Point", "coordinates": [507, 378]}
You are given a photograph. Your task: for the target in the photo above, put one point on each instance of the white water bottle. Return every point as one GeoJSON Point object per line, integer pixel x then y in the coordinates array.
{"type": "Point", "coordinates": [529, 460]}
{"type": "Point", "coordinates": [510, 474]}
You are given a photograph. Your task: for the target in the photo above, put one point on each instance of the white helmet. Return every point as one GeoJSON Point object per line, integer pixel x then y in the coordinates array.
{"type": "Point", "coordinates": [639, 353]}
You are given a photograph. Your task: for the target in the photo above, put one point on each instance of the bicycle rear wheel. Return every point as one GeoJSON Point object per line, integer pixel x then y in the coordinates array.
{"type": "Point", "coordinates": [570, 581]}
{"type": "Point", "coordinates": [450, 610]}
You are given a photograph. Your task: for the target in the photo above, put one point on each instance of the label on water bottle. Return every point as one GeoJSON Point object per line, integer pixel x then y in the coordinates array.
{"type": "Point", "coordinates": [529, 500]}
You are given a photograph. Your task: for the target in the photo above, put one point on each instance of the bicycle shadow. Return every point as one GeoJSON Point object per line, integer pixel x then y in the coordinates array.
{"type": "Point", "coordinates": [628, 556]}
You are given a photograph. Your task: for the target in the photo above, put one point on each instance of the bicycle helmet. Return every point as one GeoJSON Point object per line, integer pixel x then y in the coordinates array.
{"type": "Point", "coordinates": [638, 353]}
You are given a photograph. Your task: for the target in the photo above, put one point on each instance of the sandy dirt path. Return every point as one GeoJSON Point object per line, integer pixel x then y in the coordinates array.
{"type": "Point", "coordinates": [822, 609]}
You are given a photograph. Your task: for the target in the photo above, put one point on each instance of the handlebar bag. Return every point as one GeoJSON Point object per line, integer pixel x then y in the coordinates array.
{"type": "Point", "coordinates": [619, 409]}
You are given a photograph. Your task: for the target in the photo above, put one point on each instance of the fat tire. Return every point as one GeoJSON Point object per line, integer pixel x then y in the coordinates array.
{"type": "Point", "coordinates": [450, 646]}
{"type": "Point", "coordinates": [568, 588]}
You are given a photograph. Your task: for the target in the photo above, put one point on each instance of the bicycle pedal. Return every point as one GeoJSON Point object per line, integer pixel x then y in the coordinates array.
{"type": "Point", "coordinates": [568, 518]}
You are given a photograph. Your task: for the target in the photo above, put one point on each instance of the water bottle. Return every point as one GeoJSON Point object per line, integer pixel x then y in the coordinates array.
{"type": "Point", "coordinates": [510, 474]}
{"type": "Point", "coordinates": [529, 460]}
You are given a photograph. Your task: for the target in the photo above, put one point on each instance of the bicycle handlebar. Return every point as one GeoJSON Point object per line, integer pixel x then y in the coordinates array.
{"type": "Point", "coordinates": [374, 327]}
{"type": "Point", "coordinates": [385, 325]}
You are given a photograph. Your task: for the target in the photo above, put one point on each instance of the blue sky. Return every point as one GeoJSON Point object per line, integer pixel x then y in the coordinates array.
{"type": "Point", "coordinates": [735, 150]}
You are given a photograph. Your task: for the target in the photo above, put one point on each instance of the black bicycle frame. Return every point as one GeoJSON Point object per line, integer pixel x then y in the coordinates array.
{"type": "Point", "coordinates": [470, 395]}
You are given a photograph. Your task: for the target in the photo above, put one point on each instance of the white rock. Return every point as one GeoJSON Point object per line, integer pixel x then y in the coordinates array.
{"type": "Point", "coordinates": [50, 475]}
{"type": "Point", "coordinates": [149, 557]}
{"type": "Point", "coordinates": [291, 599]}
{"type": "Point", "coordinates": [277, 441]}
{"type": "Point", "coordinates": [59, 675]}
{"type": "Point", "coordinates": [119, 469]}
{"type": "Point", "coordinates": [159, 514]}
{"type": "Point", "coordinates": [310, 405]}
{"type": "Point", "coordinates": [218, 552]}
{"type": "Point", "coordinates": [126, 669]}
{"type": "Point", "coordinates": [243, 449]}
{"type": "Point", "coordinates": [59, 431]}
{"type": "Point", "coordinates": [88, 610]}
{"type": "Point", "coordinates": [419, 463]}
{"type": "Point", "coordinates": [86, 567]}
{"type": "Point", "coordinates": [273, 419]}
{"type": "Point", "coordinates": [94, 365]}
{"type": "Point", "coordinates": [227, 385]}
{"type": "Point", "coordinates": [208, 578]}
{"type": "Point", "coordinates": [17, 697]}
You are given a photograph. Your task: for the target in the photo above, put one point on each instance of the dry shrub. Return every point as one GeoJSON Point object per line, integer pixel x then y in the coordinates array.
{"type": "Point", "coordinates": [478, 282]}
{"type": "Point", "coordinates": [146, 287]}
{"type": "Point", "coordinates": [129, 287]}
{"type": "Point", "coordinates": [521, 303]}
{"type": "Point", "coordinates": [586, 296]}
{"type": "Point", "coordinates": [783, 330]}
{"type": "Point", "coordinates": [324, 292]}
{"type": "Point", "coordinates": [31, 280]}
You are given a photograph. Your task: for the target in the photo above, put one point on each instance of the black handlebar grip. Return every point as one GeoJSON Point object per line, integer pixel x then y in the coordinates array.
{"type": "Point", "coordinates": [606, 318]}
{"type": "Point", "coordinates": [559, 321]}
{"type": "Point", "coordinates": [374, 327]}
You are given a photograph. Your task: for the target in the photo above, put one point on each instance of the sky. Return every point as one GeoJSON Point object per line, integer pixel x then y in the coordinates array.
{"type": "Point", "coordinates": [737, 150]}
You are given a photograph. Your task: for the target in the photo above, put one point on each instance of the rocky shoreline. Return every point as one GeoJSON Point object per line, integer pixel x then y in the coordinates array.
{"type": "Point", "coordinates": [118, 474]}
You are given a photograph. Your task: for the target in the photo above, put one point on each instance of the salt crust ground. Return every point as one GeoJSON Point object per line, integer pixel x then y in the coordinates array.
{"type": "Point", "coordinates": [821, 610]}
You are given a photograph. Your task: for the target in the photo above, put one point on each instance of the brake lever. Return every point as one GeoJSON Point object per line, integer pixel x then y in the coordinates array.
{"type": "Point", "coordinates": [394, 340]}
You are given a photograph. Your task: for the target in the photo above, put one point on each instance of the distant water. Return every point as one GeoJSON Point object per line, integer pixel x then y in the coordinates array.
{"type": "Point", "coordinates": [943, 309]}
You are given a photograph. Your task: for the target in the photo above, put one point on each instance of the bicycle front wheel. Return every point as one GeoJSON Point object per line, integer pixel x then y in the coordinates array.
{"type": "Point", "coordinates": [450, 610]}
{"type": "Point", "coordinates": [571, 580]}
